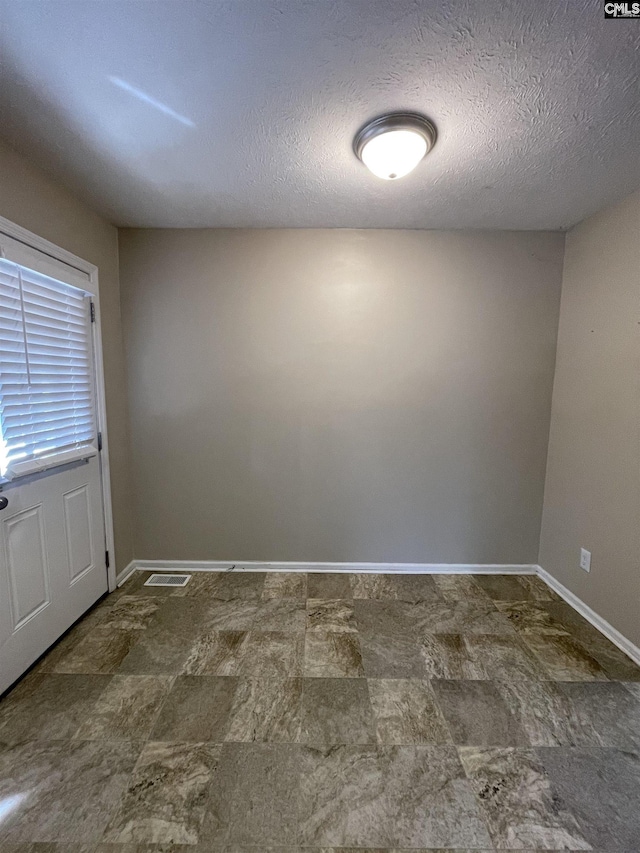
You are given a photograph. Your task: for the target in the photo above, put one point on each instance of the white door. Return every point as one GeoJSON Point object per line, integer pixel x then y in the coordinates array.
{"type": "Point", "coordinates": [52, 529]}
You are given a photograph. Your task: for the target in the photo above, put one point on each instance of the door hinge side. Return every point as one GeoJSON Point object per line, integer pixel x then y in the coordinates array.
{"type": "Point", "coordinates": [92, 311]}
{"type": "Point", "coordinates": [106, 558]}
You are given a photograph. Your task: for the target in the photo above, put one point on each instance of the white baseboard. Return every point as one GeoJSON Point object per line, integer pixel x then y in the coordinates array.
{"type": "Point", "coordinates": [126, 573]}
{"type": "Point", "coordinates": [590, 615]}
{"type": "Point", "coordinates": [405, 568]}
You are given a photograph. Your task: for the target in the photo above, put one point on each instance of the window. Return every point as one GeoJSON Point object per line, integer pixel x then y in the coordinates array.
{"type": "Point", "coordinates": [47, 393]}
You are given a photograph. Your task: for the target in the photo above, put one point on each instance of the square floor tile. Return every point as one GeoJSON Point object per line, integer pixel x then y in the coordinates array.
{"type": "Point", "coordinates": [166, 797]}
{"type": "Point", "coordinates": [601, 788]}
{"type": "Point", "coordinates": [54, 847]}
{"type": "Point", "coordinates": [328, 585]}
{"type": "Point", "coordinates": [330, 614]}
{"type": "Point", "coordinates": [394, 796]}
{"type": "Point", "coordinates": [69, 641]}
{"type": "Point", "coordinates": [391, 656]}
{"type": "Point", "coordinates": [460, 616]}
{"type": "Point", "coordinates": [634, 688]}
{"type": "Point", "coordinates": [504, 658]}
{"type": "Point", "coordinates": [406, 712]}
{"type": "Point", "coordinates": [201, 585]}
{"type": "Point", "coordinates": [102, 650]}
{"type": "Point", "coordinates": [264, 654]}
{"type": "Point", "coordinates": [130, 612]}
{"type": "Point", "coordinates": [254, 798]}
{"type": "Point", "coordinates": [247, 585]}
{"type": "Point", "coordinates": [521, 806]}
{"type": "Point", "coordinates": [332, 655]}
{"type": "Point", "coordinates": [457, 850]}
{"type": "Point", "coordinates": [280, 614]}
{"type": "Point", "coordinates": [571, 620]}
{"type": "Point", "coordinates": [564, 658]}
{"type": "Point", "coordinates": [285, 585]}
{"type": "Point", "coordinates": [547, 714]}
{"type": "Point", "coordinates": [266, 709]}
{"type": "Point", "coordinates": [447, 656]}
{"type": "Point", "coordinates": [237, 614]}
{"type": "Point", "coordinates": [373, 586]}
{"type": "Point", "coordinates": [127, 708]}
{"type": "Point", "coordinates": [615, 664]}
{"type": "Point", "coordinates": [608, 709]}
{"type": "Point", "coordinates": [164, 645]}
{"type": "Point", "coordinates": [62, 790]}
{"type": "Point", "coordinates": [515, 588]}
{"type": "Point", "coordinates": [336, 710]}
{"type": "Point", "coordinates": [477, 714]}
{"type": "Point", "coordinates": [387, 618]}
{"type": "Point", "coordinates": [272, 654]}
{"type": "Point", "coordinates": [48, 706]}
{"type": "Point", "coordinates": [197, 709]}
{"type": "Point", "coordinates": [415, 588]}
{"type": "Point", "coordinates": [531, 617]}
{"type": "Point", "coordinates": [216, 653]}
{"type": "Point", "coordinates": [456, 587]}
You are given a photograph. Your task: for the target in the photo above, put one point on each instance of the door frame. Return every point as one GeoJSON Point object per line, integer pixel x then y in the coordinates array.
{"type": "Point", "coordinates": [33, 241]}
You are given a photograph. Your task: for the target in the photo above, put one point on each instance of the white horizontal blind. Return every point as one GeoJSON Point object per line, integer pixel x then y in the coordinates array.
{"type": "Point", "coordinates": [47, 396]}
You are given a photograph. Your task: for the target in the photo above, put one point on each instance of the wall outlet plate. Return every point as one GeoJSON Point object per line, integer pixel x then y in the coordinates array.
{"type": "Point", "coordinates": [585, 559]}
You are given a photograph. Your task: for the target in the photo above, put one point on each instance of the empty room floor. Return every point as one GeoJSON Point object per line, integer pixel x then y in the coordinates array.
{"type": "Point", "coordinates": [325, 712]}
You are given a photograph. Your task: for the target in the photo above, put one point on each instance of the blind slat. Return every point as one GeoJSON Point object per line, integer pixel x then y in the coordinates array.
{"type": "Point", "coordinates": [66, 432]}
{"type": "Point", "coordinates": [44, 305]}
{"type": "Point", "coordinates": [43, 322]}
{"type": "Point", "coordinates": [43, 344]}
{"type": "Point", "coordinates": [36, 356]}
{"type": "Point", "coordinates": [55, 400]}
{"type": "Point", "coordinates": [49, 337]}
{"type": "Point", "coordinates": [13, 389]}
{"type": "Point", "coordinates": [31, 424]}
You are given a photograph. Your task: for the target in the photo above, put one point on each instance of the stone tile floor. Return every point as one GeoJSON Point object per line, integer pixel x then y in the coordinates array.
{"type": "Point", "coordinates": [325, 712]}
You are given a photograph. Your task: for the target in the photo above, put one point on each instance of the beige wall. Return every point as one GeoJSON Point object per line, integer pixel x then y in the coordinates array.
{"type": "Point", "coordinates": [31, 199]}
{"type": "Point", "coordinates": [592, 494]}
{"type": "Point", "coordinates": [340, 395]}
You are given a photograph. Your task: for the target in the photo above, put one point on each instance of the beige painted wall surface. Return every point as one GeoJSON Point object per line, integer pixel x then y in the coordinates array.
{"type": "Point", "coordinates": [31, 199]}
{"type": "Point", "coordinates": [592, 495]}
{"type": "Point", "coordinates": [340, 395]}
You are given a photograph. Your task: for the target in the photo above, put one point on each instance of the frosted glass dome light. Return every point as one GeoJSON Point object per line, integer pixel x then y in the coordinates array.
{"type": "Point", "coordinates": [392, 146]}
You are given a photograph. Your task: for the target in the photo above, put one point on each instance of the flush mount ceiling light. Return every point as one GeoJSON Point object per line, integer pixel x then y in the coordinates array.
{"type": "Point", "coordinates": [392, 145]}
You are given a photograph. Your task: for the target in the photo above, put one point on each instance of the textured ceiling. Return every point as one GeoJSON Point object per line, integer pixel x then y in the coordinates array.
{"type": "Point", "coordinates": [188, 113]}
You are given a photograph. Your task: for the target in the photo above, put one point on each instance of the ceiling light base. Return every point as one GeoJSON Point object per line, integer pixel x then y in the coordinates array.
{"type": "Point", "coordinates": [395, 121]}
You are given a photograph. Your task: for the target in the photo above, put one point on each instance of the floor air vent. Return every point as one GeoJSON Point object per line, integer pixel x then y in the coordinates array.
{"type": "Point", "coordinates": [168, 580]}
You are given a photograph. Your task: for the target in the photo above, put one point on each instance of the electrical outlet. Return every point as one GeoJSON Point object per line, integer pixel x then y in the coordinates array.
{"type": "Point", "coordinates": [585, 560]}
